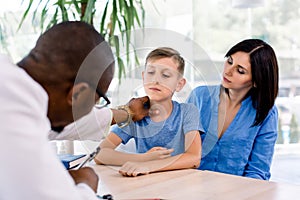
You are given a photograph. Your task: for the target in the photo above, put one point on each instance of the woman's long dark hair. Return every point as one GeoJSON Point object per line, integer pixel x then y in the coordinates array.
{"type": "Point", "coordinates": [264, 69]}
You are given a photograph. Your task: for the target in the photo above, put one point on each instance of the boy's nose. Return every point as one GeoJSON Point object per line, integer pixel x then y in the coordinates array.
{"type": "Point", "coordinates": [156, 79]}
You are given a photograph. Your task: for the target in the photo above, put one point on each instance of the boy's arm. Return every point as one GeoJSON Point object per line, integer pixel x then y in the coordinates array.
{"type": "Point", "coordinates": [189, 159]}
{"type": "Point", "coordinates": [109, 156]}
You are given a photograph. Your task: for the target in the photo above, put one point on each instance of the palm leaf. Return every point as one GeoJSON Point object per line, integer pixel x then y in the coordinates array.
{"type": "Point", "coordinates": [61, 4]}
{"type": "Point", "coordinates": [26, 13]}
{"type": "Point", "coordinates": [118, 16]}
{"type": "Point", "coordinates": [113, 18]}
{"type": "Point", "coordinates": [103, 19]}
{"type": "Point", "coordinates": [88, 15]}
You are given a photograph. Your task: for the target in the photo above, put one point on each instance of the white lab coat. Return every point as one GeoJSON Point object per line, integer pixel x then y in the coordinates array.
{"type": "Point", "coordinates": [30, 168]}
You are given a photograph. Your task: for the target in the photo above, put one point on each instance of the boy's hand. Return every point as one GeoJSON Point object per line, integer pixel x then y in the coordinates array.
{"type": "Point", "coordinates": [139, 107]}
{"type": "Point", "coordinates": [156, 149]}
{"type": "Point", "coordinates": [157, 153]}
{"type": "Point", "coordinates": [134, 169]}
{"type": "Point", "coordinates": [85, 175]}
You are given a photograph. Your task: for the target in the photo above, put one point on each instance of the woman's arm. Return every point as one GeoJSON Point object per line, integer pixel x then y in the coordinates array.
{"type": "Point", "coordinates": [189, 159]}
{"type": "Point", "coordinates": [109, 156]}
{"type": "Point", "coordinates": [260, 159]}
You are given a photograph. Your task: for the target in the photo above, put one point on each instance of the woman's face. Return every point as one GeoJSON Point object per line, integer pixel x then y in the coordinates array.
{"type": "Point", "coordinates": [237, 72]}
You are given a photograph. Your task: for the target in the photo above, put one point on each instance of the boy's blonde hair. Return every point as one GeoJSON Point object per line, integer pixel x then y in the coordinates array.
{"type": "Point", "coordinates": [167, 52]}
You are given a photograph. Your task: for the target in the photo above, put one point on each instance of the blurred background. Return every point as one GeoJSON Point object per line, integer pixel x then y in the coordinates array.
{"type": "Point", "coordinates": [211, 27]}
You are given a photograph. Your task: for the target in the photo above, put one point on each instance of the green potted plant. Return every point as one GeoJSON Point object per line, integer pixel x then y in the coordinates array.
{"type": "Point", "coordinates": [117, 19]}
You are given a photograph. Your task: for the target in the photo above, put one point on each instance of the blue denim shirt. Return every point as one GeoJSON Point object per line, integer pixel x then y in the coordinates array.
{"type": "Point", "coordinates": [243, 149]}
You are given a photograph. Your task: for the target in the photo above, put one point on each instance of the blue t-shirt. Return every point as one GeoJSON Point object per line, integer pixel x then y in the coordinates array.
{"type": "Point", "coordinates": [243, 149]}
{"type": "Point", "coordinates": [169, 133]}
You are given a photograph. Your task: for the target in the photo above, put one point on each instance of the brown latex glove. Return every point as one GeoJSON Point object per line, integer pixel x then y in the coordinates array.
{"type": "Point", "coordinates": [85, 175]}
{"type": "Point", "coordinates": [139, 107]}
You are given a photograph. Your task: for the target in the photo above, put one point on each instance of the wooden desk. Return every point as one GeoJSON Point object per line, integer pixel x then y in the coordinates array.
{"type": "Point", "coordinates": [190, 184]}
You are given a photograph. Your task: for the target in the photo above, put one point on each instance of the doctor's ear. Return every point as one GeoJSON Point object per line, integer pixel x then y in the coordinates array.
{"type": "Point", "coordinates": [180, 84]}
{"type": "Point", "coordinates": [77, 92]}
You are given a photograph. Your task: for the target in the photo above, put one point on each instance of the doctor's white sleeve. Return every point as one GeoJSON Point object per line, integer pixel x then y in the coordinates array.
{"type": "Point", "coordinates": [93, 126]}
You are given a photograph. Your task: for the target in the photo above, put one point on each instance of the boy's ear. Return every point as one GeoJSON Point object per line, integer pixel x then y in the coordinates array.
{"type": "Point", "coordinates": [77, 93]}
{"type": "Point", "coordinates": [180, 84]}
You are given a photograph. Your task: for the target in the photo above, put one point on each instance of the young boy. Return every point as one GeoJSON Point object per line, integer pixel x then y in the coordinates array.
{"type": "Point", "coordinates": [168, 138]}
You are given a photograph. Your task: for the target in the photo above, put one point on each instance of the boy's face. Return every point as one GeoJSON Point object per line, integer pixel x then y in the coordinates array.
{"type": "Point", "coordinates": [162, 78]}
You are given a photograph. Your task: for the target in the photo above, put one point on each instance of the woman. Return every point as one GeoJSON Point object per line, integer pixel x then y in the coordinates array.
{"type": "Point", "coordinates": [238, 119]}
